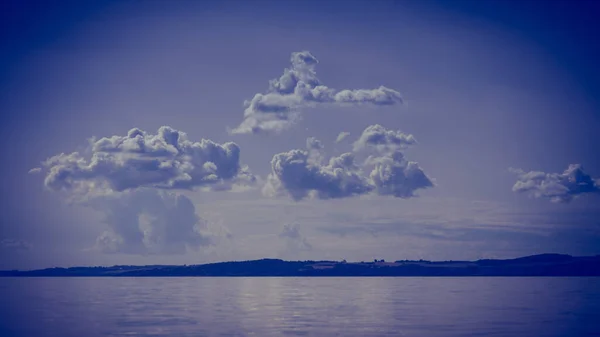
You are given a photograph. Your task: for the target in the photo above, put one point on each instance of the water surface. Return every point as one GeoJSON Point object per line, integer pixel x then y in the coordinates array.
{"type": "Point", "coordinates": [88, 307]}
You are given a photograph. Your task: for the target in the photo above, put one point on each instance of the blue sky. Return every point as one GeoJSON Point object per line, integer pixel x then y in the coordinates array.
{"type": "Point", "coordinates": [499, 97]}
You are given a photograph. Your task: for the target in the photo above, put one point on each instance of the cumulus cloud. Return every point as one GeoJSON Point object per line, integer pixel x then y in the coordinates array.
{"type": "Point", "coordinates": [393, 175]}
{"type": "Point", "coordinates": [384, 140]}
{"type": "Point", "coordinates": [167, 160]}
{"type": "Point", "coordinates": [343, 135]}
{"type": "Point", "coordinates": [149, 221]}
{"type": "Point", "coordinates": [294, 238]}
{"type": "Point", "coordinates": [299, 87]}
{"type": "Point", "coordinates": [130, 178]}
{"type": "Point", "coordinates": [14, 245]}
{"type": "Point", "coordinates": [558, 187]}
{"type": "Point", "coordinates": [293, 173]}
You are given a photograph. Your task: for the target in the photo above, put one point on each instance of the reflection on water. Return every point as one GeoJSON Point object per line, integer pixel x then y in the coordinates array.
{"type": "Point", "coordinates": [86, 307]}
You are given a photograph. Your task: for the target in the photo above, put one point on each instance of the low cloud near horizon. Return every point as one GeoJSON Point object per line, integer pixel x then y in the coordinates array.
{"type": "Point", "coordinates": [148, 221]}
{"type": "Point", "coordinates": [294, 239]}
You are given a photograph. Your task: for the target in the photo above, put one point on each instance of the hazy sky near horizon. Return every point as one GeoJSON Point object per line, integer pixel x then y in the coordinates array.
{"type": "Point", "coordinates": [493, 99]}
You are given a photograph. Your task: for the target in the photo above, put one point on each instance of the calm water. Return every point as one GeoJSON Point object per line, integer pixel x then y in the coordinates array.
{"type": "Point", "coordinates": [87, 307]}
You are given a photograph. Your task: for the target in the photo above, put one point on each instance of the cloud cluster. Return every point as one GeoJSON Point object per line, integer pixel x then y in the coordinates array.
{"type": "Point", "coordinates": [167, 160]}
{"type": "Point", "coordinates": [295, 174]}
{"type": "Point", "coordinates": [299, 87]}
{"type": "Point", "coordinates": [558, 187]}
{"type": "Point", "coordinates": [150, 221]}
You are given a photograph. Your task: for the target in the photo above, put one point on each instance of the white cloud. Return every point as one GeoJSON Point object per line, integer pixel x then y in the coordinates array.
{"type": "Point", "coordinates": [314, 144]}
{"type": "Point", "coordinates": [382, 139]}
{"type": "Point", "coordinates": [35, 170]}
{"type": "Point", "coordinates": [167, 160]}
{"type": "Point", "coordinates": [296, 174]}
{"type": "Point", "coordinates": [126, 178]}
{"type": "Point", "coordinates": [393, 175]}
{"type": "Point", "coordinates": [558, 187]}
{"type": "Point", "coordinates": [343, 135]}
{"type": "Point", "coordinates": [279, 107]}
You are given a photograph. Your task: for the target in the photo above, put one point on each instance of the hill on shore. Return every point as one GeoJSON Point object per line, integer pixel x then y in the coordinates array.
{"type": "Point", "coordinates": [536, 265]}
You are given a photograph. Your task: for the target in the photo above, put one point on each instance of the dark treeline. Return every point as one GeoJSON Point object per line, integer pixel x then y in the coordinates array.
{"type": "Point", "coordinates": [537, 265]}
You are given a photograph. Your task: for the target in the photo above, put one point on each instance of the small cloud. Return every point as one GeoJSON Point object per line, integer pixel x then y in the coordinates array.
{"type": "Point", "coordinates": [382, 139]}
{"type": "Point", "coordinates": [13, 244]}
{"type": "Point", "coordinates": [557, 187]}
{"type": "Point", "coordinates": [35, 170]}
{"type": "Point", "coordinates": [314, 144]}
{"type": "Point", "coordinates": [343, 135]}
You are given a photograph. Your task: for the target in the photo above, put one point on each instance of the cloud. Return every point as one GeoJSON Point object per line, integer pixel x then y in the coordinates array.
{"type": "Point", "coordinates": [379, 138]}
{"type": "Point", "coordinates": [299, 87]}
{"type": "Point", "coordinates": [129, 179]}
{"type": "Point", "coordinates": [167, 160]}
{"type": "Point", "coordinates": [35, 170]}
{"type": "Point", "coordinates": [315, 150]}
{"type": "Point", "coordinates": [294, 238]}
{"type": "Point", "coordinates": [14, 245]}
{"type": "Point", "coordinates": [296, 174]}
{"type": "Point", "coordinates": [558, 187]}
{"type": "Point", "coordinates": [343, 135]}
{"type": "Point", "coordinates": [393, 175]}
{"type": "Point", "coordinates": [314, 144]}
{"type": "Point", "coordinates": [147, 221]}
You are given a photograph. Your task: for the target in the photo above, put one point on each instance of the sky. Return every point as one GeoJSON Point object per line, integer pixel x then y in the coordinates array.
{"type": "Point", "coordinates": [153, 132]}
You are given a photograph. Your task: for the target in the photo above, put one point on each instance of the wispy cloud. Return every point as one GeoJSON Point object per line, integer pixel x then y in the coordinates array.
{"type": "Point", "coordinates": [294, 239]}
{"type": "Point", "coordinates": [147, 221]}
{"type": "Point", "coordinates": [35, 170]}
{"type": "Point", "coordinates": [14, 244]}
{"type": "Point", "coordinates": [341, 136]}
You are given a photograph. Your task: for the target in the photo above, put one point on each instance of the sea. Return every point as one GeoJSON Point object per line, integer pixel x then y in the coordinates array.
{"type": "Point", "coordinates": [322, 306]}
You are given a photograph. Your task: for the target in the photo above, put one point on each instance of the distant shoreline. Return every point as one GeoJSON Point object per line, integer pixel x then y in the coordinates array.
{"type": "Point", "coordinates": [535, 265]}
